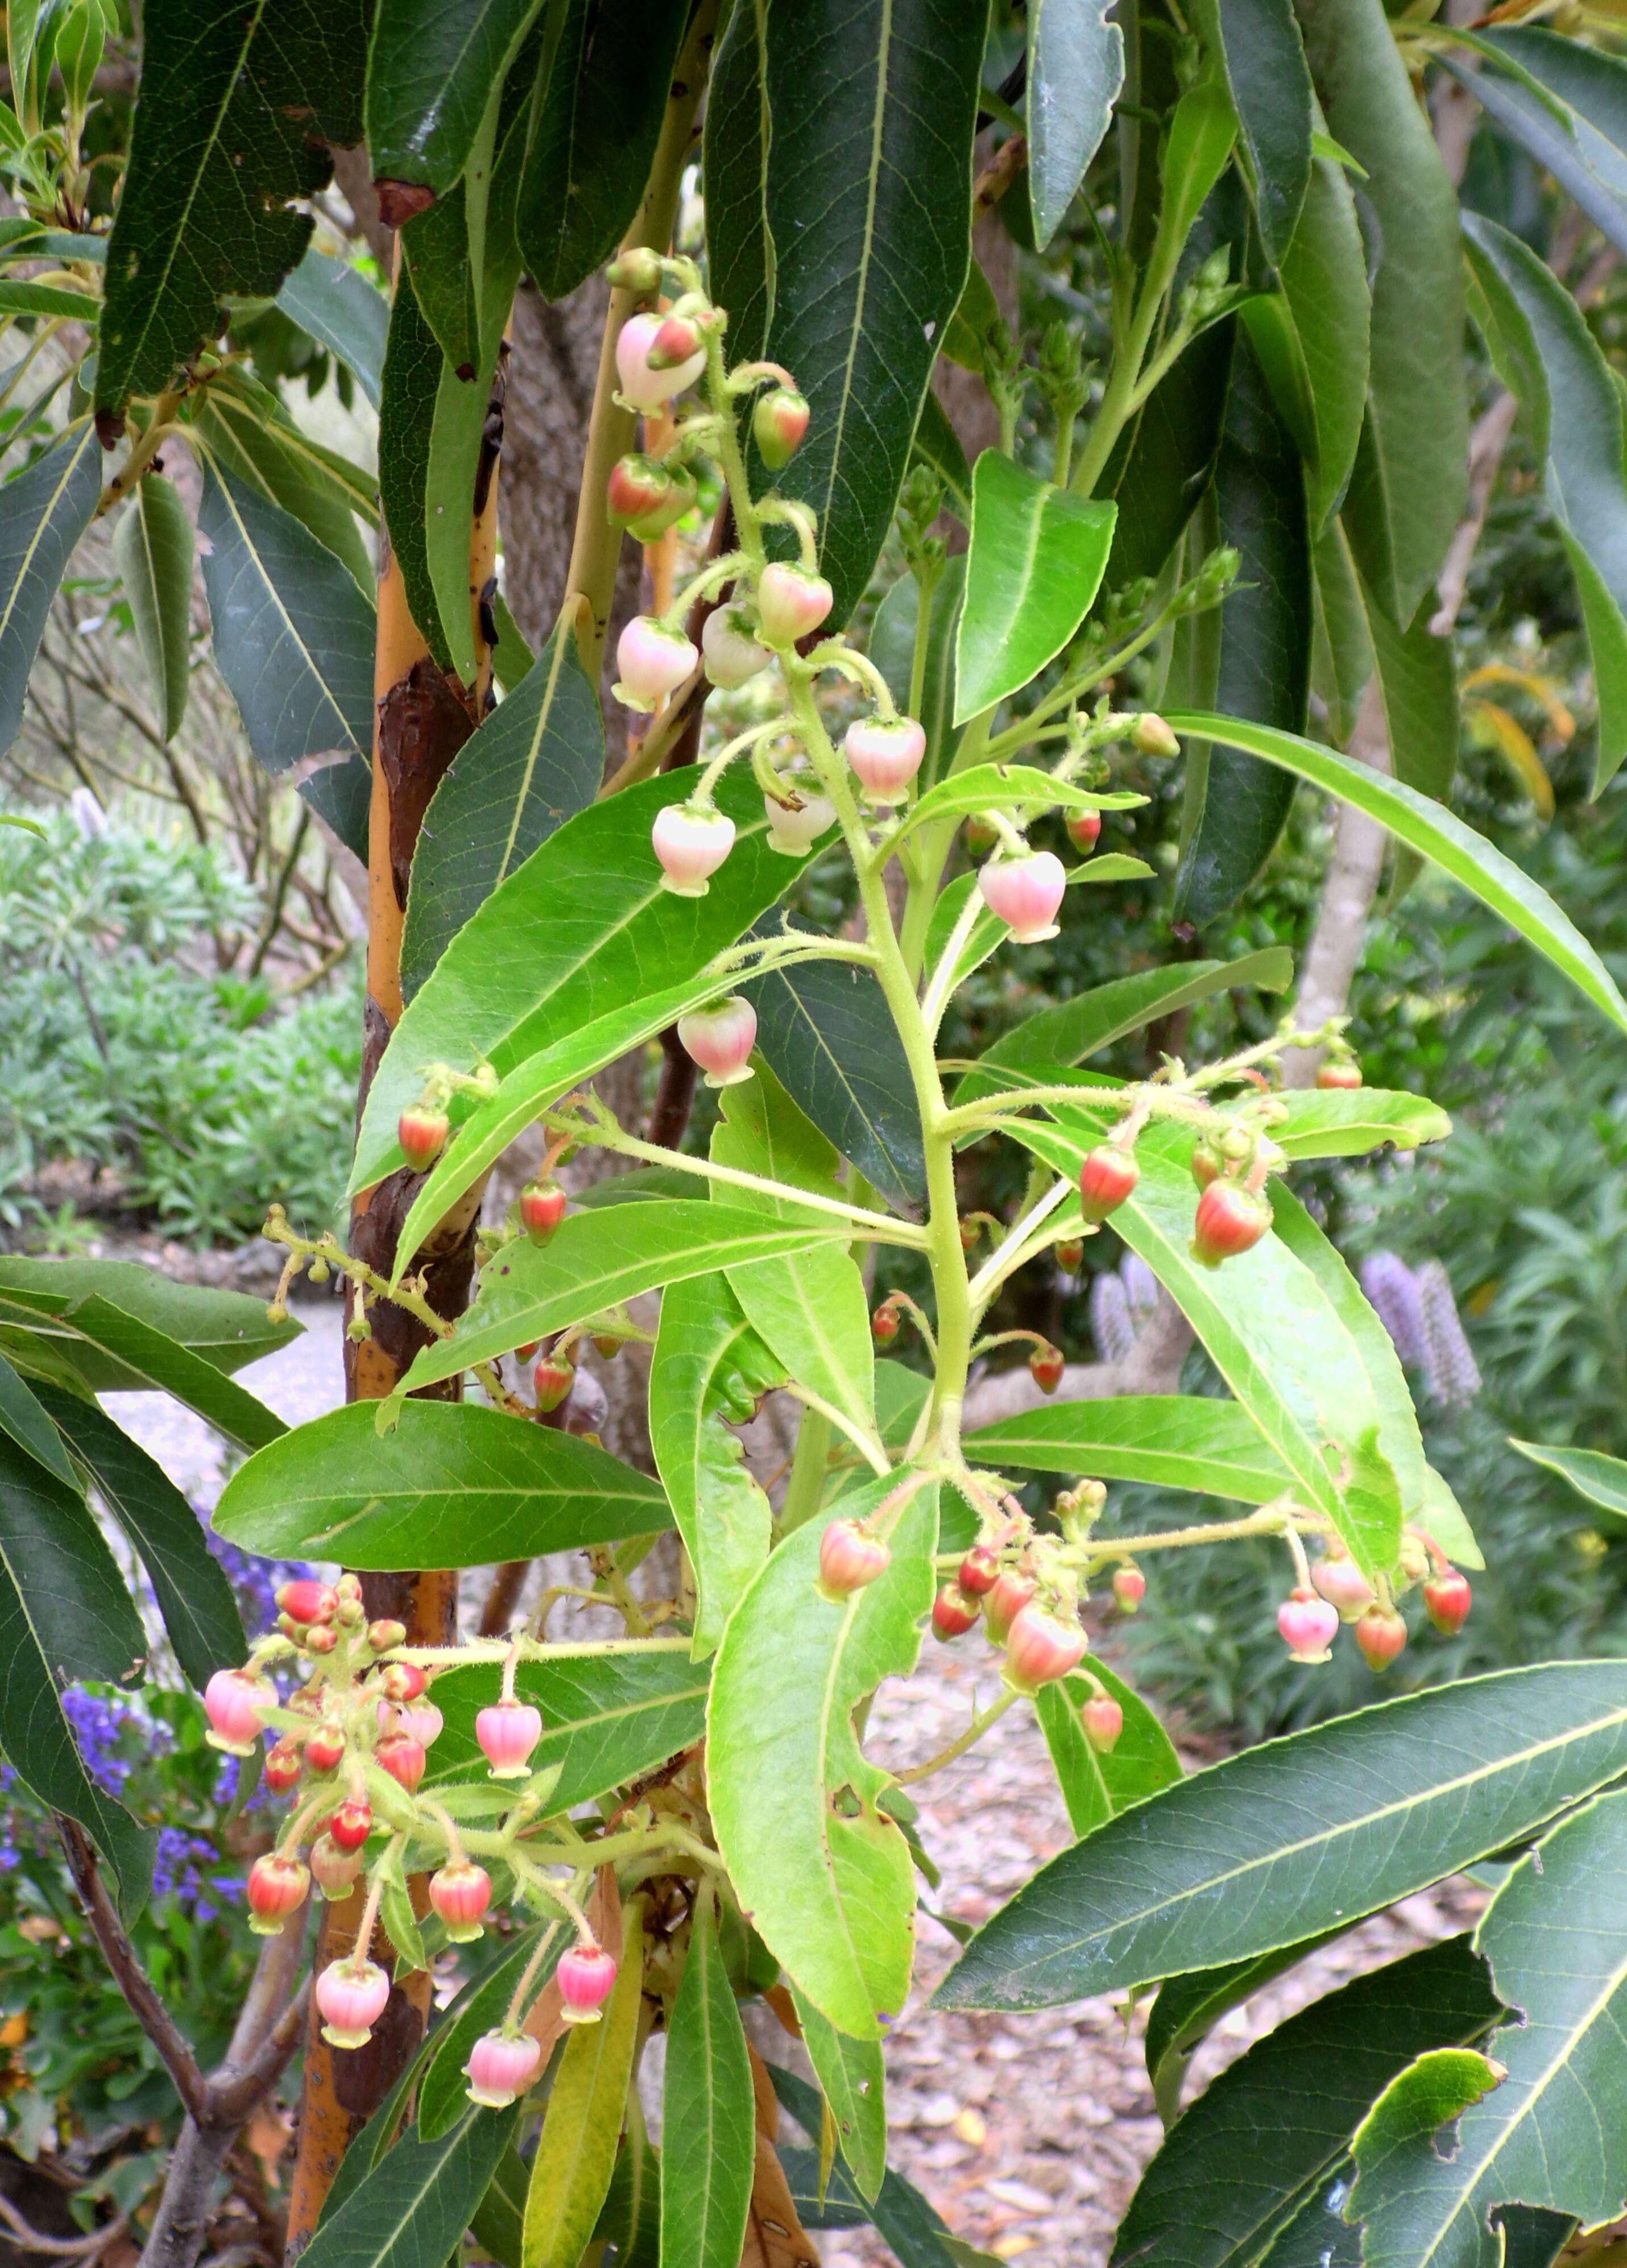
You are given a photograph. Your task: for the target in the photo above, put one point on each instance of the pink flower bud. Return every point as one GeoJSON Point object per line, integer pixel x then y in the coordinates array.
{"type": "Point", "coordinates": [980, 1570]}
{"type": "Point", "coordinates": [734, 654]}
{"type": "Point", "coordinates": [796, 832]}
{"type": "Point", "coordinates": [1380, 1633]}
{"type": "Point", "coordinates": [552, 1381]}
{"type": "Point", "coordinates": [541, 1209]}
{"type": "Point", "coordinates": [679, 496]}
{"type": "Point", "coordinates": [403, 1758]}
{"type": "Point", "coordinates": [953, 1614]}
{"type": "Point", "coordinates": [306, 1600]}
{"type": "Point", "coordinates": [790, 602]}
{"type": "Point", "coordinates": [848, 1558]}
{"type": "Point", "coordinates": [1129, 1587]}
{"type": "Point", "coordinates": [886, 755]}
{"type": "Point", "coordinates": [586, 1975]}
{"type": "Point", "coordinates": [1045, 1367]}
{"type": "Point", "coordinates": [351, 1824]}
{"type": "Point", "coordinates": [1343, 1586]}
{"type": "Point", "coordinates": [644, 387]}
{"type": "Point", "coordinates": [1446, 1601]}
{"type": "Point", "coordinates": [350, 1995]}
{"type": "Point", "coordinates": [637, 486]}
{"type": "Point", "coordinates": [1025, 892]}
{"type": "Point", "coordinates": [281, 1769]}
{"type": "Point", "coordinates": [460, 1893]}
{"type": "Point", "coordinates": [1336, 1074]}
{"type": "Point", "coordinates": [325, 1749]}
{"type": "Point", "coordinates": [720, 1039]}
{"type": "Point", "coordinates": [652, 660]}
{"type": "Point", "coordinates": [1106, 1179]}
{"type": "Point", "coordinates": [277, 1884]}
{"type": "Point", "coordinates": [676, 343]}
{"type": "Point", "coordinates": [501, 2066]}
{"type": "Point", "coordinates": [401, 1681]}
{"type": "Point", "coordinates": [1230, 1219]}
{"type": "Point", "coordinates": [423, 1136]}
{"type": "Point", "coordinates": [421, 1722]}
{"type": "Point", "coordinates": [691, 841]}
{"type": "Point", "coordinates": [1103, 1720]}
{"type": "Point", "coordinates": [507, 1733]}
{"type": "Point", "coordinates": [1039, 1647]}
{"type": "Point", "coordinates": [1308, 1626]}
{"type": "Point", "coordinates": [778, 423]}
{"type": "Point", "coordinates": [333, 1870]}
{"type": "Point", "coordinates": [234, 1701]}
{"type": "Point", "coordinates": [1012, 1593]}
{"type": "Point", "coordinates": [1084, 830]}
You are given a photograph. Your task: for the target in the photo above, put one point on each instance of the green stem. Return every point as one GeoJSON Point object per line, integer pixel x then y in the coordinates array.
{"type": "Point", "coordinates": [974, 1733]}
{"type": "Point", "coordinates": [807, 1484]}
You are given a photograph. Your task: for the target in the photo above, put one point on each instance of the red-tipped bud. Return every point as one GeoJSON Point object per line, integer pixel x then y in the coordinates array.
{"type": "Point", "coordinates": [1446, 1601]}
{"type": "Point", "coordinates": [553, 1377]}
{"type": "Point", "coordinates": [501, 2066]}
{"type": "Point", "coordinates": [884, 1324]}
{"type": "Point", "coordinates": [779, 421]}
{"type": "Point", "coordinates": [1129, 1587]}
{"type": "Point", "coordinates": [1380, 1633]}
{"type": "Point", "coordinates": [308, 1601]}
{"type": "Point", "coordinates": [980, 1570]}
{"type": "Point", "coordinates": [1103, 1720]}
{"type": "Point", "coordinates": [1308, 1626]}
{"type": "Point", "coordinates": [1339, 1071]}
{"type": "Point", "coordinates": [586, 1975]}
{"type": "Point", "coordinates": [1041, 1648]}
{"type": "Point", "coordinates": [403, 1758]}
{"type": "Point", "coordinates": [850, 1558]}
{"type": "Point", "coordinates": [643, 385]}
{"type": "Point", "coordinates": [423, 1136]}
{"type": "Point", "coordinates": [1106, 1179]}
{"type": "Point", "coordinates": [1084, 830]}
{"type": "Point", "coordinates": [1070, 1254]}
{"type": "Point", "coordinates": [401, 1681]}
{"type": "Point", "coordinates": [675, 343]}
{"type": "Point", "coordinates": [276, 1888]}
{"type": "Point", "coordinates": [1206, 1164]}
{"type": "Point", "coordinates": [460, 1893]}
{"type": "Point", "coordinates": [636, 486]}
{"type": "Point", "coordinates": [980, 835]}
{"type": "Point", "coordinates": [507, 1731]}
{"type": "Point", "coordinates": [321, 1639]}
{"type": "Point", "coordinates": [351, 1824]}
{"type": "Point", "coordinates": [681, 495]}
{"type": "Point", "coordinates": [333, 1871]}
{"type": "Point", "coordinates": [324, 1747]}
{"type": "Point", "coordinates": [1045, 1366]}
{"type": "Point", "coordinates": [381, 1636]}
{"type": "Point", "coordinates": [281, 1770]}
{"type": "Point", "coordinates": [1230, 1219]}
{"type": "Point", "coordinates": [970, 1231]}
{"type": "Point", "coordinates": [1341, 1583]}
{"type": "Point", "coordinates": [351, 1997]}
{"type": "Point", "coordinates": [954, 1613]}
{"type": "Point", "coordinates": [1011, 1592]}
{"type": "Point", "coordinates": [541, 1209]}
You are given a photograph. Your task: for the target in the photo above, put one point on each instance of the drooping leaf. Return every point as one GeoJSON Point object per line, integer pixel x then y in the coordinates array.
{"type": "Point", "coordinates": [341, 795]}
{"type": "Point", "coordinates": [451, 1486]}
{"type": "Point", "coordinates": [248, 435]}
{"type": "Point", "coordinates": [1037, 558]}
{"type": "Point", "coordinates": [1432, 829]}
{"type": "Point", "coordinates": [29, 1427]}
{"type": "Point", "coordinates": [1142, 1760]}
{"type": "Point", "coordinates": [1188, 2007]}
{"type": "Point", "coordinates": [433, 71]}
{"type": "Point", "coordinates": [1342, 655]}
{"type": "Point", "coordinates": [852, 2078]}
{"type": "Point", "coordinates": [741, 257]}
{"type": "Point", "coordinates": [534, 763]}
{"type": "Point", "coordinates": [236, 108]}
{"type": "Point", "coordinates": [829, 1883]}
{"type": "Point", "coordinates": [152, 551]}
{"type": "Point", "coordinates": [199, 1610]}
{"type": "Point", "coordinates": [576, 2151]}
{"type": "Point", "coordinates": [1542, 2128]}
{"type": "Point", "coordinates": [630, 2217]}
{"type": "Point", "coordinates": [409, 386]}
{"type": "Point", "coordinates": [1292, 1837]}
{"type": "Point", "coordinates": [709, 1371]}
{"type": "Point", "coordinates": [1602, 1480]}
{"type": "Point", "coordinates": [226, 1329]}
{"type": "Point", "coordinates": [1076, 68]}
{"type": "Point", "coordinates": [414, 2205]}
{"type": "Point", "coordinates": [342, 311]}
{"type": "Point", "coordinates": [893, 649]}
{"type": "Point", "coordinates": [915, 2234]}
{"type": "Point", "coordinates": [1270, 90]}
{"type": "Point", "coordinates": [1418, 677]}
{"type": "Point", "coordinates": [1211, 2198]}
{"type": "Point", "coordinates": [1165, 458]}
{"type": "Point", "coordinates": [1169, 1440]}
{"type": "Point", "coordinates": [293, 636]}
{"type": "Point", "coordinates": [1572, 121]}
{"type": "Point", "coordinates": [709, 2132]}
{"type": "Point", "coordinates": [138, 1355]}
{"type": "Point", "coordinates": [43, 514]}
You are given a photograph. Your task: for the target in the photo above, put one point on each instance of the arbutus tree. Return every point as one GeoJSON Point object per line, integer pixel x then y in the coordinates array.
{"type": "Point", "coordinates": [1250, 498]}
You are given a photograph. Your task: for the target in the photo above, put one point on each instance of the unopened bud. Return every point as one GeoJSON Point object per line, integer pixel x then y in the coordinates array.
{"type": "Point", "coordinates": [638, 270]}
{"type": "Point", "coordinates": [1153, 737]}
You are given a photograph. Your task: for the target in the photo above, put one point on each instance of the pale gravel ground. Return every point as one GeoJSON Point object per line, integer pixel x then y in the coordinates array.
{"type": "Point", "coordinates": [1027, 2133]}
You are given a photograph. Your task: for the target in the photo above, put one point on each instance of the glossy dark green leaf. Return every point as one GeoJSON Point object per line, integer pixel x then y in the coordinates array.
{"type": "Point", "coordinates": [199, 1610]}
{"type": "Point", "coordinates": [630, 2217]}
{"type": "Point", "coordinates": [43, 514]}
{"type": "Point", "coordinates": [594, 136]}
{"type": "Point", "coordinates": [431, 72]}
{"type": "Point", "coordinates": [1572, 122]}
{"type": "Point", "coordinates": [1093, 1786]}
{"type": "Point", "coordinates": [226, 1329]}
{"type": "Point", "coordinates": [1341, 656]}
{"type": "Point", "coordinates": [1417, 676]}
{"type": "Point", "coordinates": [607, 1717]}
{"type": "Point", "coordinates": [575, 2157]}
{"type": "Point", "coordinates": [413, 2206]}
{"type": "Point", "coordinates": [249, 435]}
{"type": "Point", "coordinates": [867, 173]}
{"type": "Point", "coordinates": [1166, 458]}
{"type": "Point", "coordinates": [852, 2078]}
{"type": "Point", "coordinates": [893, 646]}
{"type": "Point", "coordinates": [1236, 807]}
{"type": "Point", "coordinates": [708, 2132]}
{"type": "Point", "coordinates": [1188, 2008]}
{"type": "Point", "coordinates": [293, 636]}
{"type": "Point", "coordinates": [65, 1613]}
{"type": "Point", "coordinates": [582, 929]}
{"type": "Point", "coordinates": [237, 106]}
{"type": "Point", "coordinates": [1602, 1480]}
{"type": "Point", "coordinates": [451, 1486]}
{"type": "Point", "coordinates": [342, 311]}
{"type": "Point", "coordinates": [840, 2206]}
{"type": "Point", "coordinates": [1212, 2198]}
{"type": "Point", "coordinates": [1568, 392]}
{"type": "Point", "coordinates": [1543, 2125]}
{"type": "Point", "coordinates": [413, 363]}
{"type": "Point", "coordinates": [1270, 90]}
{"type": "Point", "coordinates": [1408, 490]}
{"type": "Point", "coordinates": [1036, 561]}
{"type": "Point", "coordinates": [23, 1417]}
{"type": "Point", "coordinates": [341, 795]}
{"type": "Point", "coordinates": [1297, 1835]}
{"type": "Point", "coordinates": [741, 257]}
{"type": "Point", "coordinates": [1076, 68]}
{"type": "Point", "coordinates": [1431, 828]}
{"type": "Point", "coordinates": [709, 1371]}
{"type": "Point", "coordinates": [916, 2235]}
{"type": "Point", "coordinates": [152, 551]}
{"type": "Point", "coordinates": [534, 763]}
{"type": "Point", "coordinates": [140, 1356]}
{"type": "Point", "coordinates": [443, 2091]}
{"type": "Point", "coordinates": [974, 325]}
{"type": "Point", "coordinates": [1169, 1440]}
{"type": "Point", "coordinates": [1094, 1020]}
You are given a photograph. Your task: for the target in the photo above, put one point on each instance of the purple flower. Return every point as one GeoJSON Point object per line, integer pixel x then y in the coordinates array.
{"type": "Point", "coordinates": [1392, 1289]}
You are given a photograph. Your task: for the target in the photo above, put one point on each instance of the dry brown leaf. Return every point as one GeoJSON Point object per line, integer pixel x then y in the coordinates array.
{"type": "Point", "coordinates": [763, 2096]}
{"type": "Point", "coordinates": [778, 1997]}
{"type": "Point", "coordinates": [775, 2238]}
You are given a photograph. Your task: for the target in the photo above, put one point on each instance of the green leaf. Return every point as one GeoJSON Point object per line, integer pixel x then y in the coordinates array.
{"type": "Point", "coordinates": [972, 328]}
{"type": "Point", "coordinates": [1567, 390]}
{"type": "Point", "coordinates": [1418, 677]}
{"type": "Point", "coordinates": [1093, 1788]}
{"type": "Point", "coordinates": [248, 436]}
{"type": "Point", "coordinates": [342, 311]}
{"type": "Point", "coordinates": [1211, 2198]}
{"type": "Point", "coordinates": [20, 298]}
{"type": "Point", "coordinates": [630, 2217]}
{"type": "Point", "coordinates": [1565, 105]}
{"type": "Point", "coordinates": [64, 1614]}
{"type": "Point", "coordinates": [596, 1261]}
{"type": "Point", "coordinates": [413, 2206]}
{"type": "Point", "coordinates": [1236, 807]}
{"type": "Point", "coordinates": [1341, 656]}
{"type": "Point", "coordinates": [937, 445]}
{"type": "Point", "coordinates": [1431, 828]}
{"type": "Point", "coordinates": [907, 2223]}
{"type": "Point", "coordinates": [1548, 2133]}
{"type": "Point", "coordinates": [596, 128]}
{"type": "Point", "coordinates": [23, 1419]}
{"type": "Point", "coordinates": [293, 636]}
{"type": "Point", "coordinates": [1274, 1330]}
{"type": "Point", "coordinates": [199, 1610]}
{"type": "Point", "coordinates": [709, 2133]}
{"type": "Point", "coordinates": [1188, 2008]}
{"type": "Point", "coordinates": [900, 1396]}
{"type": "Point", "coordinates": [1411, 481]}
{"type": "Point", "coordinates": [893, 646]}
{"type": "Point", "coordinates": [43, 514]}
{"type": "Point", "coordinates": [341, 795]}
{"type": "Point", "coordinates": [225, 1327]}
{"type": "Point", "coordinates": [1602, 1480]}
{"type": "Point", "coordinates": [576, 2150]}
{"type": "Point", "coordinates": [413, 363]}
{"type": "Point", "coordinates": [1076, 68]}
{"type": "Point", "coordinates": [987, 934]}
{"type": "Point", "coordinates": [1168, 1440]}
{"type": "Point", "coordinates": [1203, 130]}
{"type": "Point", "coordinates": [741, 253]}
{"type": "Point", "coordinates": [511, 656]}
{"type": "Point", "coordinates": [710, 1369]}
{"type": "Point", "coordinates": [607, 1717]}
{"type": "Point", "coordinates": [1165, 458]}
{"type": "Point", "coordinates": [534, 763]}
{"type": "Point", "coordinates": [432, 73]}
{"type": "Point", "coordinates": [1270, 90]}
{"type": "Point", "coordinates": [832, 1896]}
{"type": "Point", "coordinates": [1093, 1020]}
{"type": "Point", "coordinates": [1294, 1837]}
{"type": "Point", "coordinates": [867, 171]}
{"type": "Point", "coordinates": [581, 930]}
{"type": "Point", "coordinates": [152, 551]}
{"type": "Point", "coordinates": [1009, 787]}
{"type": "Point", "coordinates": [852, 2078]}
{"type": "Point", "coordinates": [142, 1355]}
{"type": "Point", "coordinates": [236, 108]}
{"type": "Point", "coordinates": [451, 1486]}
{"type": "Point", "coordinates": [443, 2091]}
{"type": "Point", "coordinates": [1036, 561]}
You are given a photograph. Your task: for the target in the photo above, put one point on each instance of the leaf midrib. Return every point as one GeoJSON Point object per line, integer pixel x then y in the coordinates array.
{"type": "Point", "coordinates": [41, 529]}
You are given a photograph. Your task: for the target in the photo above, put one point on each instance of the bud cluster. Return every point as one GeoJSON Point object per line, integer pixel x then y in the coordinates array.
{"type": "Point", "coordinates": [1309, 1618]}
